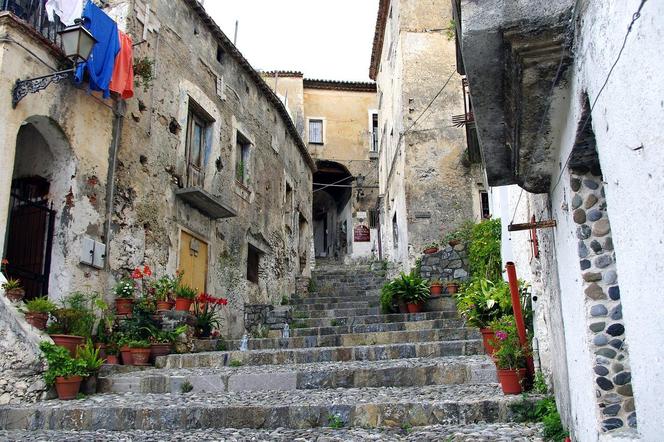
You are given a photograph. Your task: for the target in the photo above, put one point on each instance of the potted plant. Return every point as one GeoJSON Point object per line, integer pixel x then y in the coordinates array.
{"type": "Point", "coordinates": [206, 314]}
{"type": "Point", "coordinates": [140, 352]}
{"type": "Point", "coordinates": [413, 289]}
{"type": "Point", "coordinates": [125, 350]}
{"type": "Point", "coordinates": [65, 372]}
{"type": "Point", "coordinates": [482, 301]}
{"type": "Point", "coordinates": [431, 248]}
{"type": "Point", "coordinates": [452, 287]}
{"type": "Point", "coordinates": [184, 297]}
{"type": "Point", "coordinates": [124, 296]}
{"type": "Point", "coordinates": [436, 288]}
{"type": "Point", "coordinates": [112, 355]}
{"type": "Point", "coordinates": [161, 341]}
{"type": "Point", "coordinates": [13, 290]}
{"type": "Point", "coordinates": [509, 355]}
{"type": "Point", "coordinates": [37, 312]}
{"type": "Point", "coordinates": [164, 291]}
{"type": "Point", "coordinates": [93, 362]}
{"type": "Point", "coordinates": [72, 323]}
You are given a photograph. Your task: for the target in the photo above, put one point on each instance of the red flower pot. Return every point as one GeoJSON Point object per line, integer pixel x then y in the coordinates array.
{"type": "Point", "coordinates": [403, 308]}
{"type": "Point", "coordinates": [68, 388]}
{"type": "Point", "coordinates": [430, 250]}
{"type": "Point", "coordinates": [164, 306]}
{"type": "Point", "coordinates": [183, 304]}
{"type": "Point", "coordinates": [510, 380]}
{"type": "Point", "coordinates": [112, 359]}
{"type": "Point", "coordinates": [15, 295]}
{"type": "Point", "coordinates": [436, 290]}
{"type": "Point", "coordinates": [69, 342]}
{"type": "Point", "coordinates": [414, 307]}
{"type": "Point", "coordinates": [127, 359]}
{"type": "Point", "coordinates": [160, 349]}
{"type": "Point", "coordinates": [452, 288]}
{"type": "Point", "coordinates": [123, 306]}
{"type": "Point", "coordinates": [140, 356]}
{"type": "Point", "coordinates": [487, 336]}
{"type": "Point", "coordinates": [37, 320]}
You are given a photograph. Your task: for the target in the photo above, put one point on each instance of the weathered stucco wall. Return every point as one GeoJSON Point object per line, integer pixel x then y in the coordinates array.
{"type": "Point", "coordinates": [148, 218]}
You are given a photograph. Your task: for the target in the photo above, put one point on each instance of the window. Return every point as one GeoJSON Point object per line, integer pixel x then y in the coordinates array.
{"type": "Point", "coordinates": [395, 232]}
{"type": "Point", "coordinates": [195, 150]}
{"type": "Point", "coordinates": [242, 152]}
{"type": "Point", "coordinates": [220, 54]}
{"type": "Point", "coordinates": [316, 131]}
{"type": "Point", "coordinates": [253, 263]}
{"type": "Point", "coordinates": [373, 219]}
{"type": "Point", "coordinates": [374, 132]}
{"type": "Point", "coordinates": [484, 205]}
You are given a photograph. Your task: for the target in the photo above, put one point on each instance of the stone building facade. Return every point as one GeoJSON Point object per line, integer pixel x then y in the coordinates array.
{"type": "Point", "coordinates": [339, 121]}
{"type": "Point", "coordinates": [427, 187]}
{"type": "Point", "coordinates": [557, 145]}
{"type": "Point", "coordinates": [204, 171]}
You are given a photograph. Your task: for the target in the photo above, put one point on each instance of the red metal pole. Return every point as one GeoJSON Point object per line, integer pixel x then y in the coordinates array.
{"type": "Point", "coordinates": [518, 314]}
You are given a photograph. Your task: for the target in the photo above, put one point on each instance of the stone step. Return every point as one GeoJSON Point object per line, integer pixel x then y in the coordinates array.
{"type": "Point", "coordinates": [336, 305]}
{"type": "Point", "coordinates": [329, 299]}
{"type": "Point", "coordinates": [342, 296]}
{"type": "Point", "coordinates": [363, 407]}
{"type": "Point", "coordinates": [480, 432]}
{"type": "Point", "coordinates": [322, 354]}
{"type": "Point", "coordinates": [339, 312]}
{"type": "Point", "coordinates": [356, 374]}
{"type": "Point", "coordinates": [348, 340]}
{"type": "Point", "coordinates": [375, 319]}
{"type": "Point", "coordinates": [377, 328]}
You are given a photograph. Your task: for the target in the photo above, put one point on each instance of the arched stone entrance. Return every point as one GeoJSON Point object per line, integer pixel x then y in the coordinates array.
{"type": "Point", "coordinates": [43, 168]}
{"type": "Point", "coordinates": [332, 211]}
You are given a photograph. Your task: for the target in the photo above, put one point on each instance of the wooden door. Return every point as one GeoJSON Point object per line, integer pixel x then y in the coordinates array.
{"type": "Point", "coordinates": [193, 261]}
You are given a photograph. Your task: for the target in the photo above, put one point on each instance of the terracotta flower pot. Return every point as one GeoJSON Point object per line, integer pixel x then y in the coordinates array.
{"type": "Point", "coordinates": [15, 295]}
{"type": "Point", "coordinates": [112, 359]}
{"type": "Point", "coordinates": [414, 307]}
{"type": "Point", "coordinates": [127, 358]}
{"type": "Point", "coordinates": [37, 319]}
{"type": "Point", "coordinates": [510, 380]}
{"type": "Point", "coordinates": [140, 356]}
{"type": "Point", "coordinates": [123, 306]}
{"type": "Point", "coordinates": [183, 304]}
{"type": "Point", "coordinates": [70, 342]}
{"type": "Point", "coordinates": [452, 288]}
{"type": "Point", "coordinates": [487, 336]}
{"type": "Point", "coordinates": [68, 387]}
{"type": "Point", "coordinates": [454, 242]}
{"type": "Point", "coordinates": [164, 306]}
{"type": "Point", "coordinates": [403, 308]}
{"type": "Point", "coordinates": [160, 349]}
{"type": "Point", "coordinates": [436, 290]}
{"type": "Point", "coordinates": [430, 250]}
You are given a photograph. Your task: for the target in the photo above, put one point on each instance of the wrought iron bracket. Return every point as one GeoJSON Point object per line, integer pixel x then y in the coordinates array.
{"type": "Point", "coordinates": [25, 87]}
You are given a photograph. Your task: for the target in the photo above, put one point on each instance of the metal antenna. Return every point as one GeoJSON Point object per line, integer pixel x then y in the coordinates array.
{"type": "Point", "coordinates": [237, 23]}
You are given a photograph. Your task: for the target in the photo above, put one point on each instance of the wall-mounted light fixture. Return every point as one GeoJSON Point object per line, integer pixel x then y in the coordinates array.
{"type": "Point", "coordinates": [77, 44]}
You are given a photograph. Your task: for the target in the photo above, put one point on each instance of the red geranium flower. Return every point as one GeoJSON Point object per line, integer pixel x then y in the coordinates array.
{"type": "Point", "coordinates": [223, 301]}
{"type": "Point", "coordinates": [5, 261]}
{"type": "Point", "coordinates": [147, 271]}
{"type": "Point", "coordinates": [136, 274]}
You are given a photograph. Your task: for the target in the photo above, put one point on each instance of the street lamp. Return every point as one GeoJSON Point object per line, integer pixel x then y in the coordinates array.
{"type": "Point", "coordinates": [77, 44]}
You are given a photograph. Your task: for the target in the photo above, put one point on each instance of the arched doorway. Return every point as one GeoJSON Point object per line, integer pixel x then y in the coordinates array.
{"type": "Point", "coordinates": [332, 209]}
{"type": "Point", "coordinates": [41, 175]}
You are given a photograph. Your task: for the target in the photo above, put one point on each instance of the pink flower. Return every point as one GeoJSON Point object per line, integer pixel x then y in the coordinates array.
{"type": "Point", "coordinates": [147, 271]}
{"type": "Point", "coordinates": [136, 274]}
{"type": "Point", "coordinates": [501, 335]}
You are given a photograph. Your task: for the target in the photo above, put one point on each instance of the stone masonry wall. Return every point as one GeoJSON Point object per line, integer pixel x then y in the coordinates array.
{"type": "Point", "coordinates": [446, 264]}
{"type": "Point", "coordinates": [604, 309]}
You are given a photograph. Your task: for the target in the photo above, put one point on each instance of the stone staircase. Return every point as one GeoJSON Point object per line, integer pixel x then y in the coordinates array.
{"type": "Point", "coordinates": [381, 377]}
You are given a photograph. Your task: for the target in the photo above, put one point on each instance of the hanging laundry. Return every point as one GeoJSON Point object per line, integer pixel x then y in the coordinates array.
{"type": "Point", "coordinates": [67, 10]}
{"type": "Point", "coordinates": [101, 62]}
{"type": "Point", "coordinates": [122, 81]}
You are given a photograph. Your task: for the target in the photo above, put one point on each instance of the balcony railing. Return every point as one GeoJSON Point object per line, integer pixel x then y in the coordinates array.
{"type": "Point", "coordinates": [33, 13]}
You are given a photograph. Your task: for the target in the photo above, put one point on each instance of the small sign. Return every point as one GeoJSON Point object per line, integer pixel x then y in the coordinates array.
{"type": "Point", "coordinates": [361, 233]}
{"type": "Point", "coordinates": [361, 215]}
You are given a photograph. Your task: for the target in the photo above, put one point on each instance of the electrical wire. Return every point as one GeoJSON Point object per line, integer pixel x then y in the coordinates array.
{"type": "Point", "coordinates": [430, 104]}
{"type": "Point", "coordinates": [332, 184]}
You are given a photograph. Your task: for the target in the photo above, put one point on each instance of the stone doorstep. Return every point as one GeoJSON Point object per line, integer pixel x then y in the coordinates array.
{"type": "Point", "coordinates": [436, 371]}
{"type": "Point", "coordinates": [367, 408]}
{"type": "Point", "coordinates": [336, 305]}
{"type": "Point", "coordinates": [336, 313]}
{"type": "Point", "coordinates": [379, 319]}
{"type": "Point", "coordinates": [370, 338]}
{"type": "Point", "coordinates": [323, 354]}
{"type": "Point", "coordinates": [377, 328]}
{"type": "Point", "coordinates": [329, 299]}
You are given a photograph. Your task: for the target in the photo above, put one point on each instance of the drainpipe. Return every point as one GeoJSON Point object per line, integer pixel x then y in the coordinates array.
{"type": "Point", "coordinates": [518, 314]}
{"type": "Point", "coordinates": [118, 118]}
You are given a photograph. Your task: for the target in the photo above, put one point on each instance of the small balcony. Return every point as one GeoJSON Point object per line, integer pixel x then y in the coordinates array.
{"type": "Point", "coordinates": [208, 204]}
{"type": "Point", "coordinates": [32, 12]}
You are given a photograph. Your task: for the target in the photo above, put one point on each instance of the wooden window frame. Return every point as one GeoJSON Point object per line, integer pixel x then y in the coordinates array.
{"type": "Point", "coordinates": [195, 119]}
{"type": "Point", "coordinates": [322, 131]}
{"type": "Point", "coordinates": [243, 154]}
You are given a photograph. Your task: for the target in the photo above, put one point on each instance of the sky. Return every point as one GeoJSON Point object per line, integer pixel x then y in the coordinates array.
{"type": "Point", "coordinates": [324, 39]}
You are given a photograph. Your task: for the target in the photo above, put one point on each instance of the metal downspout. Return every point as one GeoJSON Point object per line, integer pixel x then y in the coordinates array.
{"type": "Point", "coordinates": [118, 119]}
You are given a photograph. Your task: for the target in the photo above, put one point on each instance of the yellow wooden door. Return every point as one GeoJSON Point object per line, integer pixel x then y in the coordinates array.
{"type": "Point", "coordinates": [193, 261]}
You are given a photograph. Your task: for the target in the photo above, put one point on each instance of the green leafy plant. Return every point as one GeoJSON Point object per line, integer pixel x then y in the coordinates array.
{"type": "Point", "coordinates": [543, 411]}
{"type": "Point", "coordinates": [509, 353]}
{"type": "Point", "coordinates": [125, 288]}
{"type": "Point", "coordinates": [207, 314]}
{"type": "Point", "coordinates": [311, 287]}
{"type": "Point", "coordinates": [60, 363]}
{"type": "Point", "coordinates": [260, 332]}
{"type": "Point", "coordinates": [235, 363]}
{"type": "Point", "coordinates": [186, 387]}
{"type": "Point", "coordinates": [221, 345]}
{"type": "Point", "coordinates": [335, 421]}
{"type": "Point", "coordinates": [431, 245]}
{"type": "Point", "coordinates": [484, 250]}
{"type": "Point", "coordinates": [462, 234]}
{"type": "Point", "coordinates": [285, 300]}
{"type": "Point", "coordinates": [300, 315]}
{"type": "Point", "coordinates": [160, 336]}
{"type": "Point", "coordinates": [411, 288]}
{"type": "Point", "coordinates": [40, 305]}
{"type": "Point", "coordinates": [90, 355]}
{"type": "Point", "coordinates": [144, 71]}
{"type": "Point", "coordinates": [298, 324]}
{"type": "Point", "coordinates": [138, 343]}
{"type": "Point", "coordinates": [186, 292]}
{"type": "Point", "coordinates": [12, 284]}
{"type": "Point", "coordinates": [387, 298]}
{"type": "Point", "coordinates": [451, 30]}
{"type": "Point", "coordinates": [336, 323]}
{"type": "Point", "coordinates": [164, 287]}
{"type": "Point", "coordinates": [481, 301]}
{"type": "Point", "coordinates": [539, 384]}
